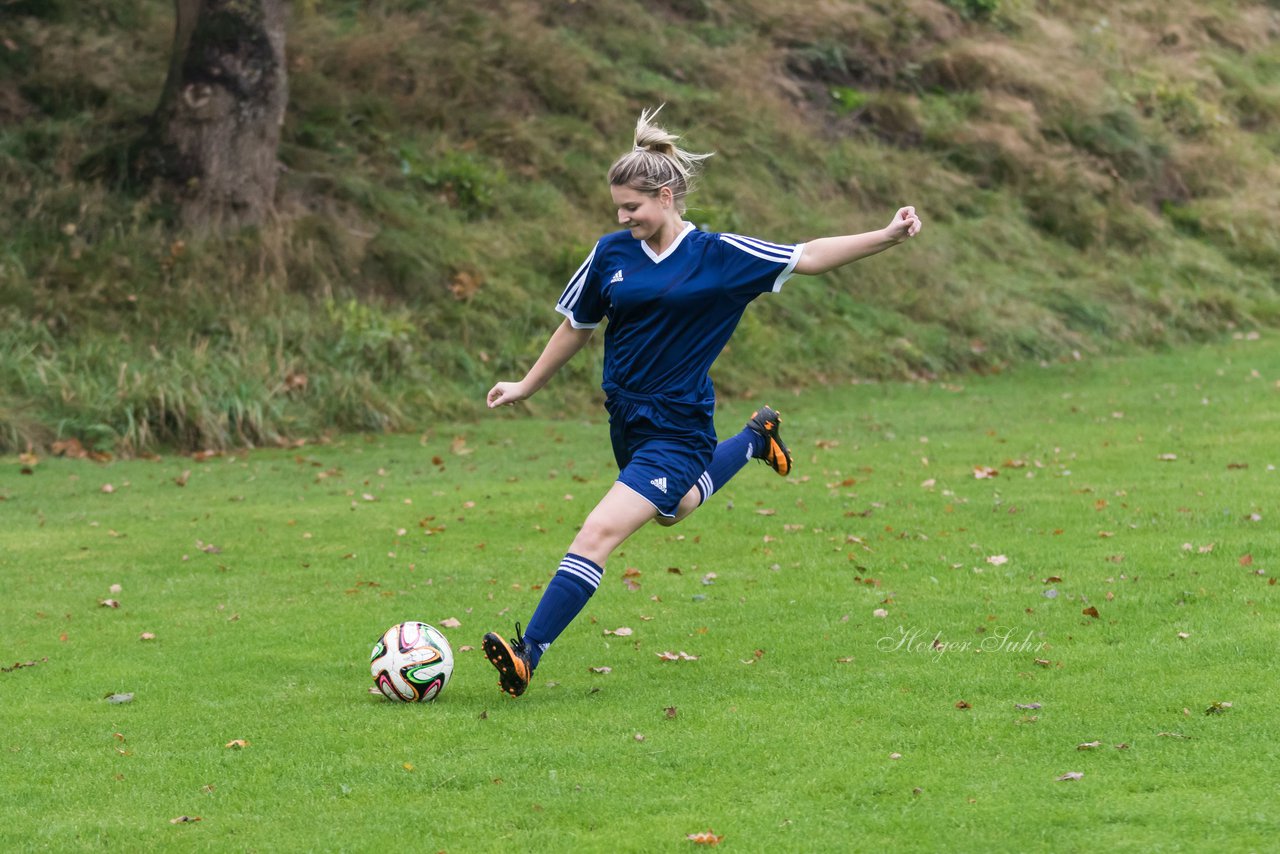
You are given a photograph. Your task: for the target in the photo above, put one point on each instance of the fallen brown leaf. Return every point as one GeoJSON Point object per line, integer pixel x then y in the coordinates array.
{"type": "Point", "coordinates": [70, 448]}
{"type": "Point", "coordinates": [707, 838]}
{"type": "Point", "coordinates": [676, 656]}
{"type": "Point", "coordinates": [464, 285]}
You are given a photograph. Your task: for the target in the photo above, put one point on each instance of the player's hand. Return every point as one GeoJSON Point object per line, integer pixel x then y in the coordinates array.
{"type": "Point", "coordinates": [906, 224]}
{"type": "Point", "coordinates": [505, 394]}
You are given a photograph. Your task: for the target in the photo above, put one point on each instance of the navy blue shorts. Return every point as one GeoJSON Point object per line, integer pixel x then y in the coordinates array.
{"type": "Point", "coordinates": [662, 447]}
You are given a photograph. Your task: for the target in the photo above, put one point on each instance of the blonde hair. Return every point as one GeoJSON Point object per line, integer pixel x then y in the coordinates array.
{"type": "Point", "coordinates": [656, 162]}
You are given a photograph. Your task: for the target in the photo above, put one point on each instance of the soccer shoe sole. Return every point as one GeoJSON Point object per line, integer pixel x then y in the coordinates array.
{"type": "Point", "coordinates": [776, 454]}
{"type": "Point", "coordinates": [513, 673]}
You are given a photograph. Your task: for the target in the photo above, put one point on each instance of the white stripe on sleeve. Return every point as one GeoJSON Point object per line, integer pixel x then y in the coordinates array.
{"type": "Point", "coordinates": [778, 252]}
{"type": "Point", "coordinates": [573, 291]}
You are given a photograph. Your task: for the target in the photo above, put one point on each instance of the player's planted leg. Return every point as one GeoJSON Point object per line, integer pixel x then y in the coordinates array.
{"type": "Point", "coordinates": [565, 596]}
{"type": "Point", "coordinates": [512, 658]}
{"type": "Point", "coordinates": [618, 515]}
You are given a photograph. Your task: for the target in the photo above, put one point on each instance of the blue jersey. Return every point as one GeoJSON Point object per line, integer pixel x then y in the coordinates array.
{"type": "Point", "coordinates": [670, 315]}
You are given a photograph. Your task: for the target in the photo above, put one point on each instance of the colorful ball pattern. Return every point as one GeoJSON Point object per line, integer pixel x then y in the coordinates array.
{"type": "Point", "coordinates": [412, 662]}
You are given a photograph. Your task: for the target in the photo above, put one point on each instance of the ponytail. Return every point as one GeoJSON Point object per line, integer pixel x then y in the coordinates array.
{"type": "Point", "coordinates": [656, 161]}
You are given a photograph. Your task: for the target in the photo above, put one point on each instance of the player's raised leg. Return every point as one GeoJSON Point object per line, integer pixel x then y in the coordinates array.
{"type": "Point", "coordinates": [765, 422]}
{"type": "Point", "coordinates": [758, 440]}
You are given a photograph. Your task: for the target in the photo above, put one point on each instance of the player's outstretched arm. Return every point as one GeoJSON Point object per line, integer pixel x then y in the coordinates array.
{"type": "Point", "coordinates": [564, 343]}
{"type": "Point", "coordinates": [828, 253]}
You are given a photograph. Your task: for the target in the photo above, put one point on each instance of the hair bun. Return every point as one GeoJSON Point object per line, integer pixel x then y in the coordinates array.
{"type": "Point", "coordinates": [656, 161]}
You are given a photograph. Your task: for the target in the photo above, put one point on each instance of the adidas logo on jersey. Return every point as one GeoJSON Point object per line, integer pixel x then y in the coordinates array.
{"type": "Point", "coordinates": [661, 482]}
{"type": "Point", "coordinates": [617, 277]}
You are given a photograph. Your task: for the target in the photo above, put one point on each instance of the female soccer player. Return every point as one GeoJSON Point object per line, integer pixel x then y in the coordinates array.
{"type": "Point", "coordinates": [673, 296]}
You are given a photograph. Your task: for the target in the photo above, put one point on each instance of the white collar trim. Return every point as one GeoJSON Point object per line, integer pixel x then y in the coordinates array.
{"type": "Point", "coordinates": [655, 257]}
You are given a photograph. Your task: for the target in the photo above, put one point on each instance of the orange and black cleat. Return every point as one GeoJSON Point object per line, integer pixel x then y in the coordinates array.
{"type": "Point", "coordinates": [776, 455]}
{"type": "Point", "coordinates": [512, 658]}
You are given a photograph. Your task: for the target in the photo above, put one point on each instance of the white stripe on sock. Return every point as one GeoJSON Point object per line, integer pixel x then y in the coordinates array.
{"type": "Point", "coordinates": [582, 569]}
{"type": "Point", "coordinates": [705, 486]}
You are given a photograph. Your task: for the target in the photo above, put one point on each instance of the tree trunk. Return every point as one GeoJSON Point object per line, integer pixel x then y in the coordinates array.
{"type": "Point", "coordinates": [215, 132]}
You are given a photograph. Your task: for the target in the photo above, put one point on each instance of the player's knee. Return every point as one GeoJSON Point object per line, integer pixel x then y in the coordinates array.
{"type": "Point", "coordinates": [592, 537]}
{"type": "Point", "coordinates": [597, 538]}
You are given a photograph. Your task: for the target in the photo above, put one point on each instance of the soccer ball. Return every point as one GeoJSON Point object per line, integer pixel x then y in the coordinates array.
{"type": "Point", "coordinates": [411, 662]}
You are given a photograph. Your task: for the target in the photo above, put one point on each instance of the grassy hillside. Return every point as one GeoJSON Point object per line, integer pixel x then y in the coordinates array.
{"type": "Point", "coordinates": [1093, 175]}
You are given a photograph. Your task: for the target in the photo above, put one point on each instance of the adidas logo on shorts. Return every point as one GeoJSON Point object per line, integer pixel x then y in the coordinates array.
{"type": "Point", "coordinates": [661, 483]}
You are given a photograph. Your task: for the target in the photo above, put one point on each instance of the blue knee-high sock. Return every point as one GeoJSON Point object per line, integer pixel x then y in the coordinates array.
{"type": "Point", "coordinates": [564, 598]}
{"type": "Point", "coordinates": [729, 458]}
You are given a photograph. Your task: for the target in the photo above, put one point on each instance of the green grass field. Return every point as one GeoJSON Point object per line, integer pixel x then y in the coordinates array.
{"type": "Point", "coordinates": [1110, 581]}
